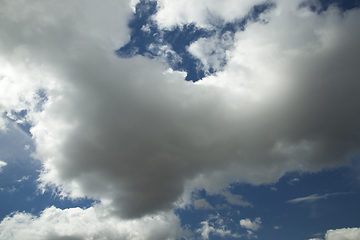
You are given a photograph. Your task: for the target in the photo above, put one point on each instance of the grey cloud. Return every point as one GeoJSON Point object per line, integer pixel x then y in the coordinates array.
{"type": "Point", "coordinates": [202, 204]}
{"type": "Point", "coordinates": [64, 238]}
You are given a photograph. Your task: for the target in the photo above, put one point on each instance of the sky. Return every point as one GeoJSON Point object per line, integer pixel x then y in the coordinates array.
{"type": "Point", "coordinates": [179, 119]}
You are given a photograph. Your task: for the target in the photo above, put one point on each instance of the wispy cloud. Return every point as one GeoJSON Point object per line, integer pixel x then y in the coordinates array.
{"type": "Point", "coordinates": [24, 178]}
{"type": "Point", "coordinates": [292, 181]}
{"type": "Point", "coordinates": [315, 197]}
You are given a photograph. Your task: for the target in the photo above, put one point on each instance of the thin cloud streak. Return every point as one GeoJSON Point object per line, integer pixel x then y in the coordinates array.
{"type": "Point", "coordinates": [315, 197]}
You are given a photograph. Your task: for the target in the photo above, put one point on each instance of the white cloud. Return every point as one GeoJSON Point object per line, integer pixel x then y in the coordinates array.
{"type": "Point", "coordinates": [252, 225]}
{"type": "Point", "coordinates": [24, 178]}
{"type": "Point", "coordinates": [292, 181]}
{"type": "Point", "coordinates": [216, 228]}
{"type": "Point", "coordinates": [91, 223]}
{"type": "Point", "coordinates": [205, 230]}
{"type": "Point", "coordinates": [2, 164]}
{"type": "Point", "coordinates": [341, 234]}
{"type": "Point", "coordinates": [201, 12]}
{"type": "Point", "coordinates": [315, 197]}
{"type": "Point", "coordinates": [212, 52]}
{"type": "Point", "coordinates": [128, 132]}
{"type": "Point", "coordinates": [251, 234]}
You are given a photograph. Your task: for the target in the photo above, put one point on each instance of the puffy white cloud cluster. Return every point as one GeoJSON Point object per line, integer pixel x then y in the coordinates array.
{"type": "Point", "coordinates": [252, 225]}
{"type": "Point", "coordinates": [131, 133]}
{"type": "Point", "coordinates": [2, 164]}
{"type": "Point", "coordinates": [213, 52]}
{"type": "Point", "coordinates": [86, 224]}
{"type": "Point", "coordinates": [342, 234]}
{"type": "Point", "coordinates": [215, 225]}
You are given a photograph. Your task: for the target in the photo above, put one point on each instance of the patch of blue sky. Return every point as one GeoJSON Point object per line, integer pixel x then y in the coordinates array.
{"type": "Point", "coordinates": [172, 44]}
{"type": "Point", "coordinates": [335, 206]}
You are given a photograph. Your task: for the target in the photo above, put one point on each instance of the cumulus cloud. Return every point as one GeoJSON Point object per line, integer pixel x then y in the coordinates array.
{"type": "Point", "coordinates": [2, 164]}
{"type": "Point", "coordinates": [215, 225]}
{"type": "Point", "coordinates": [92, 223]}
{"type": "Point", "coordinates": [341, 234]}
{"type": "Point", "coordinates": [251, 225]}
{"type": "Point", "coordinates": [212, 52]}
{"type": "Point", "coordinates": [131, 133]}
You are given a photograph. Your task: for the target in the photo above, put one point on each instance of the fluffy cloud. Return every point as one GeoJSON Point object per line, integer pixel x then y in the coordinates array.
{"type": "Point", "coordinates": [212, 52]}
{"type": "Point", "coordinates": [202, 12]}
{"type": "Point", "coordinates": [252, 225]}
{"type": "Point", "coordinates": [91, 223]}
{"type": "Point", "coordinates": [2, 164]}
{"type": "Point", "coordinates": [342, 234]}
{"type": "Point", "coordinates": [215, 225]}
{"type": "Point", "coordinates": [131, 133]}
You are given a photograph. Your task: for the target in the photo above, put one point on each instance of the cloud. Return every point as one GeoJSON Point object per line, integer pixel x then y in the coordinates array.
{"type": "Point", "coordinates": [91, 223]}
{"type": "Point", "coordinates": [131, 133]}
{"type": "Point", "coordinates": [314, 197]}
{"type": "Point", "coordinates": [171, 13]}
{"type": "Point", "coordinates": [250, 234]}
{"type": "Point", "coordinates": [212, 52]}
{"type": "Point", "coordinates": [202, 204]}
{"type": "Point", "coordinates": [292, 181]}
{"type": "Point", "coordinates": [217, 227]}
{"type": "Point", "coordinates": [235, 199]}
{"type": "Point", "coordinates": [2, 164]}
{"type": "Point", "coordinates": [232, 199]}
{"type": "Point", "coordinates": [247, 223]}
{"type": "Point", "coordinates": [341, 234]}
{"type": "Point", "coordinates": [24, 178]}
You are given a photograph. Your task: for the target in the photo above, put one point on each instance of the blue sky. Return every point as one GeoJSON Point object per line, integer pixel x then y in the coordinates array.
{"type": "Point", "coordinates": [180, 120]}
